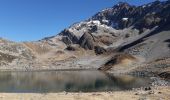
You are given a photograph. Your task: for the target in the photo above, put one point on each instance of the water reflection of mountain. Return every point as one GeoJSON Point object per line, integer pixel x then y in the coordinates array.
{"type": "Point", "coordinates": [57, 81]}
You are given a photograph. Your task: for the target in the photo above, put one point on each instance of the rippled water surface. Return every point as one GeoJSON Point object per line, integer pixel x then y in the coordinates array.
{"type": "Point", "coordinates": [69, 81]}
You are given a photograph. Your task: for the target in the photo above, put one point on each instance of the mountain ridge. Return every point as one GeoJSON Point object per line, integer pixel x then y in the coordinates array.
{"type": "Point", "coordinates": [107, 40]}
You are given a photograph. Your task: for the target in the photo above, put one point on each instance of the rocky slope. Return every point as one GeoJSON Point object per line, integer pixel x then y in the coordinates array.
{"type": "Point", "coordinates": [123, 38]}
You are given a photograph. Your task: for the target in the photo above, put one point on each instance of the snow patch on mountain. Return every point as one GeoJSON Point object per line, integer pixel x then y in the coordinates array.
{"type": "Point", "coordinates": [125, 19]}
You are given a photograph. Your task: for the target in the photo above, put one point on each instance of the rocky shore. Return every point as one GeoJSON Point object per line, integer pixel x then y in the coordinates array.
{"type": "Point", "coordinates": [158, 93]}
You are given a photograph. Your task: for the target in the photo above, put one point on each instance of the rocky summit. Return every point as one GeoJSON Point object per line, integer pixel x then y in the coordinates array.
{"type": "Point", "coordinates": [122, 39]}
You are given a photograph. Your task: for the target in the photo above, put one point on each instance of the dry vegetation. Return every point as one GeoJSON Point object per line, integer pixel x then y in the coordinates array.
{"type": "Point", "coordinates": [118, 59]}
{"type": "Point", "coordinates": [38, 48]}
{"type": "Point", "coordinates": [6, 57]}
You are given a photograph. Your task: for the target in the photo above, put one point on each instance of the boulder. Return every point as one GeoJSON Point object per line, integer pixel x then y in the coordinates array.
{"type": "Point", "coordinates": [165, 75]}
{"type": "Point", "coordinates": [71, 48]}
{"type": "Point", "coordinates": [99, 50]}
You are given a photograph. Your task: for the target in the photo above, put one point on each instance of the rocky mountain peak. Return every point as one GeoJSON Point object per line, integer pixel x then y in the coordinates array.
{"type": "Point", "coordinates": [111, 25]}
{"type": "Point", "coordinates": [122, 5]}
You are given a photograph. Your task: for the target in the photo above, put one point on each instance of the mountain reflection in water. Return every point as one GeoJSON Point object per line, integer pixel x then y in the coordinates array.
{"type": "Point", "coordinates": [70, 81]}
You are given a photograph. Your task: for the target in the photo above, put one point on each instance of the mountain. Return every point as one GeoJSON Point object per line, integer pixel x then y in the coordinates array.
{"type": "Point", "coordinates": [123, 38]}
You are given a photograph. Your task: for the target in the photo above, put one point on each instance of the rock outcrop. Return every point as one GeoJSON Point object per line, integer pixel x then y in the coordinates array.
{"type": "Point", "coordinates": [87, 41]}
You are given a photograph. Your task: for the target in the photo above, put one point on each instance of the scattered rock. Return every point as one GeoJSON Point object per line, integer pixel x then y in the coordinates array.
{"type": "Point", "coordinates": [165, 75]}
{"type": "Point", "coordinates": [71, 48]}
{"type": "Point", "coordinates": [99, 50]}
{"type": "Point", "coordinates": [151, 92]}
{"type": "Point", "coordinates": [147, 88]}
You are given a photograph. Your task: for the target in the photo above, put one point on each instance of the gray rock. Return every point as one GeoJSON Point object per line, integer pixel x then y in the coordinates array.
{"type": "Point", "coordinates": [87, 41]}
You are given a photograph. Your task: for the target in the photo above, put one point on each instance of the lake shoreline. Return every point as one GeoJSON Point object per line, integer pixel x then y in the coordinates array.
{"type": "Point", "coordinates": [41, 70]}
{"type": "Point", "coordinates": [156, 93]}
{"type": "Point", "coordinates": [69, 81]}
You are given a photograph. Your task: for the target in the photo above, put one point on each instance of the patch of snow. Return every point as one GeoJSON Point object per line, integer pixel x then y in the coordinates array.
{"type": "Point", "coordinates": [95, 22]}
{"type": "Point", "coordinates": [105, 21]}
{"type": "Point", "coordinates": [105, 26]}
{"type": "Point", "coordinates": [70, 29]}
{"type": "Point", "coordinates": [143, 6]}
{"type": "Point", "coordinates": [106, 9]}
{"type": "Point", "coordinates": [149, 5]}
{"type": "Point", "coordinates": [89, 22]}
{"type": "Point", "coordinates": [124, 19]}
{"type": "Point", "coordinates": [103, 10]}
{"type": "Point", "coordinates": [78, 26]}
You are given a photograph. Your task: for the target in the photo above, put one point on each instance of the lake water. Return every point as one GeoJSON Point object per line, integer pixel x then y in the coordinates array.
{"type": "Point", "coordinates": [69, 81]}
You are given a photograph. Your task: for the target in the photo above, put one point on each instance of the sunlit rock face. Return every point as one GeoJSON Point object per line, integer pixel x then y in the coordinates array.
{"type": "Point", "coordinates": [120, 23]}
{"type": "Point", "coordinates": [124, 15]}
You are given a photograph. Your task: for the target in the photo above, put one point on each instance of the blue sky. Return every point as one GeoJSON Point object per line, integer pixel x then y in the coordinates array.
{"type": "Point", "coordinates": [29, 20]}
